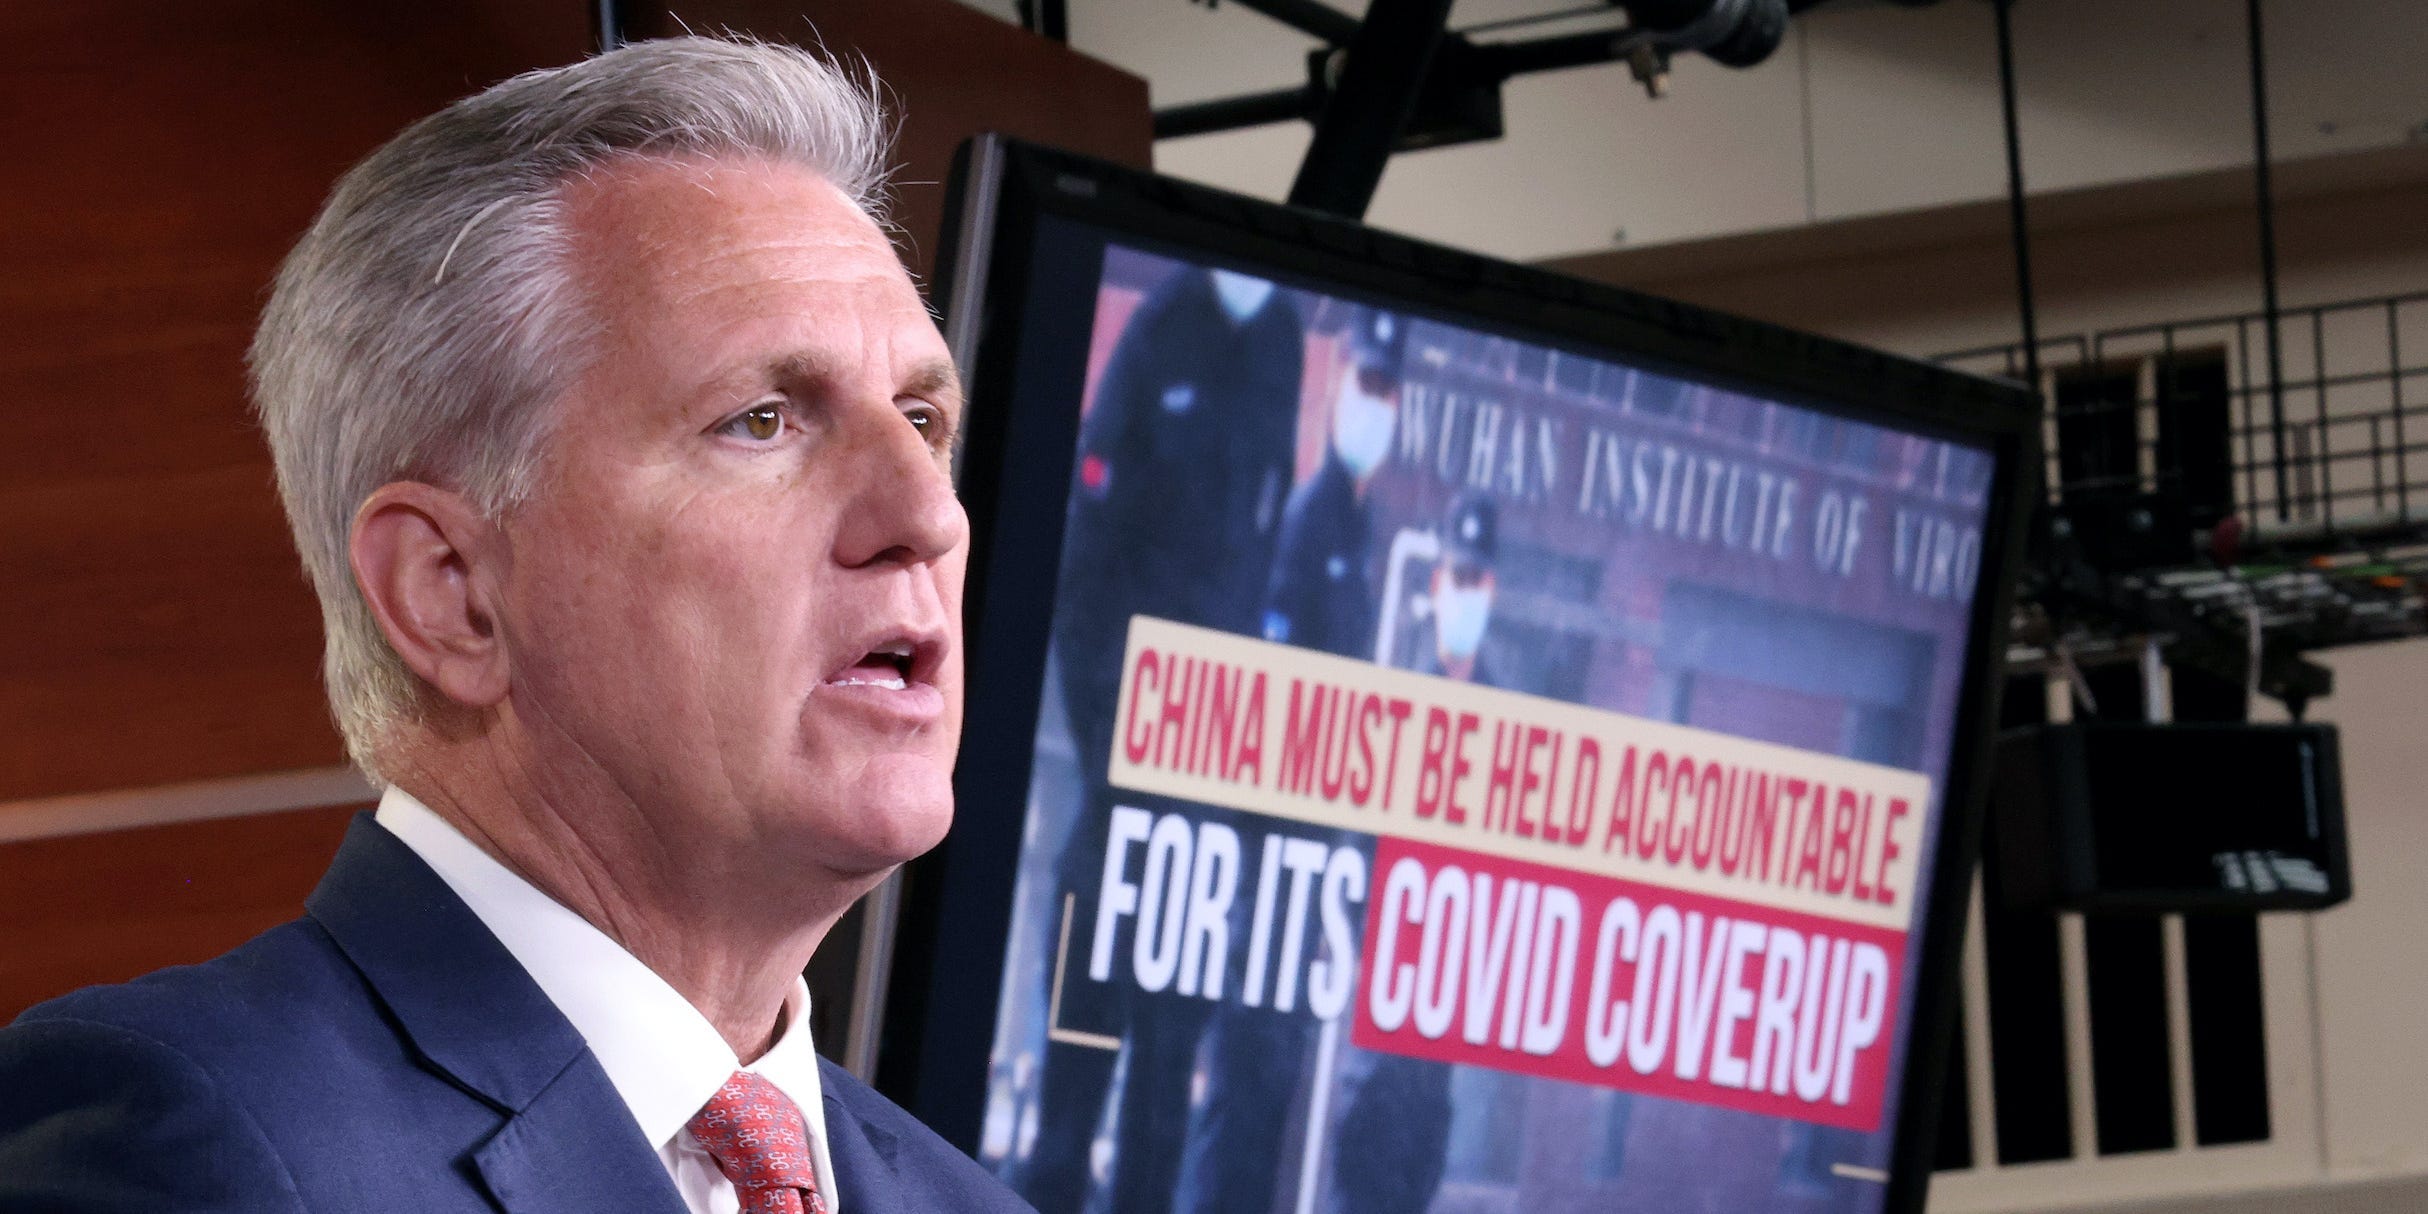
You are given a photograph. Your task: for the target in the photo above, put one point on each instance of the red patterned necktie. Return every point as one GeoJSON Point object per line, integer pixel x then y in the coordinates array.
{"type": "Point", "coordinates": [755, 1133]}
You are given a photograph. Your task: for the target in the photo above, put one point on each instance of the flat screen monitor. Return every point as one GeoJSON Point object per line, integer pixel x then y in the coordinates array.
{"type": "Point", "coordinates": [1441, 735]}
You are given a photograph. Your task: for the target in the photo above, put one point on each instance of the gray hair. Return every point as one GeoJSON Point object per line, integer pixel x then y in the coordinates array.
{"type": "Point", "coordinates": [428, 318]}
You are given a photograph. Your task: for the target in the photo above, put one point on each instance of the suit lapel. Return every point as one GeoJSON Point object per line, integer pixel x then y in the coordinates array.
{"type": "Point", "coordinates": [863, 1155]}
{"type": "Point", "coordinates": [471, 1013]}
{"type": "Point", "coordinates": [573, 1151]}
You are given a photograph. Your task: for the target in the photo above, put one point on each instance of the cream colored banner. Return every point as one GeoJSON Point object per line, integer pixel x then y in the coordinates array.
{"type": "Point", "coordinates": [1224, 720]}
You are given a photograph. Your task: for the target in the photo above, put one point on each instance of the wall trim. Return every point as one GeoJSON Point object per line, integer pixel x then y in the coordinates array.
{"type": "Point", "coordinates": [196, 801]}
{"type": "Point", "coordinates": [1661, 268]}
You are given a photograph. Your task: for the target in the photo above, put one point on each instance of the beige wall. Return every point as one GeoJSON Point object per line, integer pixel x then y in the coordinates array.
{"type": "Point", "coordinates": [2373, 951]}
{"type": "Point", "coordinates": [1926, 283]}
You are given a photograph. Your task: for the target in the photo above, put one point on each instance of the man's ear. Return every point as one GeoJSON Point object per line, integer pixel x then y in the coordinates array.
{"type": "Point", "coordinates": [427, 563]}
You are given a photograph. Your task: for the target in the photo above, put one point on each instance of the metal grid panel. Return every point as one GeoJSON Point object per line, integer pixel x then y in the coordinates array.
{"type": "Point", "coordinates": [2324, 541]}
{"type": "Point", "coordinates": [2337, 450]}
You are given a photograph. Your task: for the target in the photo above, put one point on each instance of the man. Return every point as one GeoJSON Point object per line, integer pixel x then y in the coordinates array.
{"type": "Point", "coordinates": [1183, 462]}
{"type": "Point", "coordinates": [1393, 1138]}
{"type": "Point", "coordinates": [1318, 596]}
{"type": "Point", "coordinates": [615, 440]}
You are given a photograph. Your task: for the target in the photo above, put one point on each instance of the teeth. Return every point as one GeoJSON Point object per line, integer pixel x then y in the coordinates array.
{"type": "Point", "coordinates": [892, 684]}
{"type": "Point", "coordinates": [899, 649]}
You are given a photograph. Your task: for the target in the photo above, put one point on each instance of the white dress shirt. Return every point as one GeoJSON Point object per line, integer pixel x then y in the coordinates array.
{"type": "Point", "coordinates": [664, 1058]}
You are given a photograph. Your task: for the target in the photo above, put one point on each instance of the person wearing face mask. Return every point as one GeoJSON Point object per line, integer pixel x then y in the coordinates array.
{"type": "Point", "coordinates": [1463, 586]}
{"type": "Point", "coordinates": [1319, 597]}
{"type": "Point", "coordinates": [1389, 1148]}
{"type": "Point", "coordinates": [1184, 459]}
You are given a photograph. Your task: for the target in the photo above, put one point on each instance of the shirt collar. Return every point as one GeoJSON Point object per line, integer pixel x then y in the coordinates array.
{"type": "Point", "coordinates": [664, 1058]}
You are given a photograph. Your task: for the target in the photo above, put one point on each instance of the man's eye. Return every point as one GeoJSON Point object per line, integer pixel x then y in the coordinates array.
{"type": "Point", "coordinates": [928, 419]}
{"type": "Point", "coordinates": [762, 422]}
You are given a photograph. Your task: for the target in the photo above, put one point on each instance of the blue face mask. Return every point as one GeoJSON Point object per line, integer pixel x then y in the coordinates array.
{"type": "Point", "coordinates": [1362, 424]}
{"type": "Point", "coordinates": [1460, 614]}
{"type": "Point", "coordinates": [1241, 295]}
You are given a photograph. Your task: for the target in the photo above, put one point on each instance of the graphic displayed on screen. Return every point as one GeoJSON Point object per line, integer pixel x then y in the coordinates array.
{"type": "Point", "coordinates": [1473, 776]}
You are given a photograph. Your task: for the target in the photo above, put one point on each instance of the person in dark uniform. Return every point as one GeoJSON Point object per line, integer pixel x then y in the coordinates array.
{"type": "Point", "coordinates": [1393, 1137]}
{"type": "Point", "coordinates": [1176, 497]}
{"type": "Point", "coordinates": [1320, 596]}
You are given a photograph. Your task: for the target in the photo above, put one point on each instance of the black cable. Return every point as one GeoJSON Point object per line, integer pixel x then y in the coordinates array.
{"type": "Point", "coordinates": [1608, 8]}
{"type": "Point", "coordinates": [2014, 197]}
{"type": "Point", "coordinates": [607, 24]}
{"type": "Point", "coordinates": [1557, 14]}
{"type": "Point", "coordinates": [2267, 259]}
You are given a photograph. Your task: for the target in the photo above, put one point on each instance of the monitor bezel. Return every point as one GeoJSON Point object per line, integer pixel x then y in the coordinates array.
{"type": "Point", "coordinates": [943, 996]}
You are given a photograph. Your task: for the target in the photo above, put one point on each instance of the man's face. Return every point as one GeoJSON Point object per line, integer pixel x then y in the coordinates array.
{"type": "Point", "coordinates": [734, 600]}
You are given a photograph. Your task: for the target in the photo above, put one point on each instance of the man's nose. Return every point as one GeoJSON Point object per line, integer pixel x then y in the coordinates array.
{"type": "Point", "coordinates": [903, 510]}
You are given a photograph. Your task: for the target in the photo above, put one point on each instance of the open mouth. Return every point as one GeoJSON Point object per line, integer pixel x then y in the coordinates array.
{"type": "Point", "coordinates": [889, 666]}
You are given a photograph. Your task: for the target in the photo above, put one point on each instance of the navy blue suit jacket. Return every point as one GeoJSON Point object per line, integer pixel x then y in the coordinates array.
{"type": "Point", "coordinates": [384, 1053]}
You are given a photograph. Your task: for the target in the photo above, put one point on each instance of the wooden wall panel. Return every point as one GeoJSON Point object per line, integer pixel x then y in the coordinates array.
{"type": "Point", "coordinates": [157, 627]}
{"type": "Point", "coordinates": [154, 625]}
{"type": "Point", "coordinates": [161, 161]}
{"type": "Point", "coordinates": [171, 895]}
{"type": "Point", "coordinates": [160, 631]}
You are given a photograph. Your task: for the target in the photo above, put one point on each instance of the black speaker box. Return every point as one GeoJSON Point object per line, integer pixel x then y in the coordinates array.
{"type": "Point", "coordinates": [2128, 533]}
{"type": "Point", "coordinates": [2110, 816]}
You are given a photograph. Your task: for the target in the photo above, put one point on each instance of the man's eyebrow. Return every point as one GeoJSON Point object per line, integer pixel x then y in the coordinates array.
{"type": "Point", "coordinates": [935, 378]}
{"type": "Point", "coordinates": [808, 366]}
